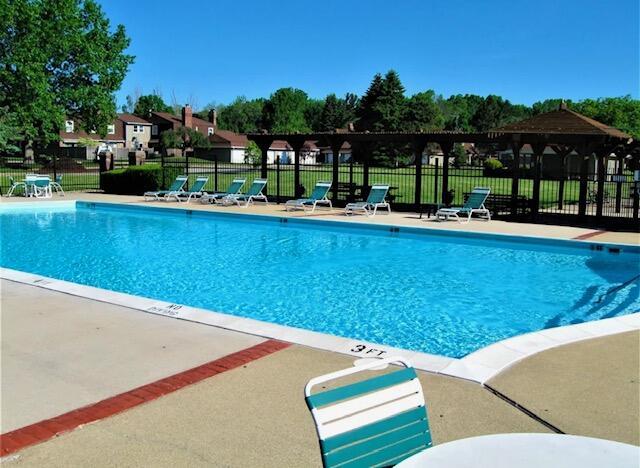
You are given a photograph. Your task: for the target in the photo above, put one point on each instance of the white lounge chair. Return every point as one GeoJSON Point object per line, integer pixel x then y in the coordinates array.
{"type": "Point", "coordinates": [254, 193]}
{"type": "Point", "coordinates": [57, 185]}
{"type": "Point", "coordinates": [176, 187]}
{"type": "Point", "coordinates": [16, 185]}
{"type": "Point", "coordinates": [317, 197]}
{"type": "Point", "coordinates": [375, 422]}
{"type": "Point", "coordinates": [376, 199]}
{"type": "Point", "coordinates": [234, 188]}
{"type": "Point", "coordinates": [473, 205]}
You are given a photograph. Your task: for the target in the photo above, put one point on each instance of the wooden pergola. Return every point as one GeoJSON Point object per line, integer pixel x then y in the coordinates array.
{"type": "Point", "coordinates": [562, 130]}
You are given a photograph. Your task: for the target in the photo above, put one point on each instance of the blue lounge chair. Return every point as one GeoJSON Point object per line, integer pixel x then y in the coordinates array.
{"type": "Point", "coordinates": [234, 188]}
{"type": "Point", "coordinates": [16, 185]}
{"type": "Point", "coordinates": [318, 197]}
{"type": "Point", "coordinates": [474, 204]}
{"type": "Point", "coordinates": [376, 199]}
{"type": "Point", "coordinates": [254, 193]}
{"type": "Point", "coordinates": [195, 191]}
{"type": "Point", "coordinates": [175, 188]}
{"type": "Point", "coordinates": [57, 185]}
{"type": "Point", "coordinates": [375, 422]}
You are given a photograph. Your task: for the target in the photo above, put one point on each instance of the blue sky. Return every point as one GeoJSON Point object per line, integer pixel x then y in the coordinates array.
{"type": "Point", "coordinates": [524, 50]}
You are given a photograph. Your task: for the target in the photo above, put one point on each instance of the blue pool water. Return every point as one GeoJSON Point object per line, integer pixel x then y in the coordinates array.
{"type": "Point", "coordinates": [440, 293]}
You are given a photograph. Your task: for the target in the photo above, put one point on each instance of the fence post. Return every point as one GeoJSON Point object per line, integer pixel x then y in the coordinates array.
{"type": "Point", "coordinates": [336, 145]}
{"type": "Point", "coordinates": [515, 178]}
{"type": "Point", "coordinates": [278, 179]}
{"type": "Point", "coordinates": [435, 182]}
{"type": "Point", "coordinates": [215, 173]}
{"type": "Point", "coordinates": [164, 182]}
{"type": "Point", "coordinates": [186, 166]}
{"type": "Point", "coordinates": [446, 149]}
{"type": "Point", "coordinates": [55, 172]}
{"type": "Point", "coordinates": [619, 179]}
{"type": "Point", "coordinates": [584, 153]}
{"type": "Point", "coordinates": [418, 148]}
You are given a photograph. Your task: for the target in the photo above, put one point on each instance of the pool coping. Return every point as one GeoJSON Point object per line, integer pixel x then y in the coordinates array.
{"type": "Point", "coordinates": [479, 366]}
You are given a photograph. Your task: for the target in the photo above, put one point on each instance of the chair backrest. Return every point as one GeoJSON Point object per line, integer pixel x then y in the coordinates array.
{"type": "Point", "coordinates": [477, 198]}
{"type": "Point", "coordinates": [320, 190]}
{"type": "Point", "coordinates": [42, 181]}
{"type": "Point", "coordinates": [59, 179]}
{"type": "Point", "coordinates": [378, 193]}
{"type": "Point", "coordinates": [235, 186]}
{"type": "Point", "coordinates": [178, 183]}
{"type": "Point", "coordinates": [199, 184]}
{"type": "Point", "coordinates": [257, 187]}
{"type": "Point", "coordinates": [377, 421]}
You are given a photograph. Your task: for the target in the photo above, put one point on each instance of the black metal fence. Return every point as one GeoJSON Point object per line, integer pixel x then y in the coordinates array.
{"type": "Point", "coordinates": [568, 198]}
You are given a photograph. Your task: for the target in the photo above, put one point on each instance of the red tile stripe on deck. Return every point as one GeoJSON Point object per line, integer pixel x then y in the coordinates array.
{"type": "Point", "coordinates": [589, 235]}
{"type": "Point", "coordinates": [18, 439]}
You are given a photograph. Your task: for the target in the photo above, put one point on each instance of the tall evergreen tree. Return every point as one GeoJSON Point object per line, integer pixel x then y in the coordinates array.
{"type": "Point", "coordinates": [337, 113]}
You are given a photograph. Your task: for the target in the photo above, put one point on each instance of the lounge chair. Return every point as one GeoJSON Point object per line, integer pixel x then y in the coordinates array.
{"type": "Point", "coordinates": [474, 204]}
{"type": "Point", "coordinates": [234, 188]}
{"type": "Point", "coordinates": [318, 197]}
{"type": "Point", "coordinates": [375, 422]}
{"type": "Point", "coordinates": [176, 187]}
{"type": "Point", "coordinates": [376, 199]}
{"type": "Point", "coordinates": [194, 191]}
{"type": "Point", "coordinates": [15, 185]}
{"type": "Point", "coordinates": [254, 193]}
{"type": "Point", "coordinates": [39, 186]}
{"type": "Point", "coordinates": [57, 185]}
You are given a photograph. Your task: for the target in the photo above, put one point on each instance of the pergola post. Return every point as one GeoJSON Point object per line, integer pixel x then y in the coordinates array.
{"type": "Point", "coordinates": [516, 144]}
{"type": "Point", "coordinates": [336, 145]}
{"type": "Point", "coordinates": [620, 178]}
{"type": "Point", "coordinates": [446, 147]}
{"type": "Point", "coordinates": [601, 158]}
{"type": "Point", "coordinates": [538, 151]}
{"type": "Point", "coordinates": [264, 144]}
{"type": "Point", "coordinates": [562, 152]}
{"type": "Point", "coordinates": [585, 152]}
{"type": "Point", "coordinates": [366, 154]}
{"type": "Point", "coordinates": [296, 144]}
{"type": "Point", "coordinates": [418, 148]}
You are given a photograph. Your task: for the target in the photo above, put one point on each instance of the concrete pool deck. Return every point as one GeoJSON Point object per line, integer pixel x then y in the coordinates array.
{"type": "Point", "coordinates": [61, 352]}
{"type": "Point", "coordinates": [395, 218]}
{"type": "Point", "coordinates": [586, 388]}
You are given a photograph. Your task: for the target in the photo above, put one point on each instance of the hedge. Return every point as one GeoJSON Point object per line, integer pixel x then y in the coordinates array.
{"type": "Point", "coordinates": [133, 180]}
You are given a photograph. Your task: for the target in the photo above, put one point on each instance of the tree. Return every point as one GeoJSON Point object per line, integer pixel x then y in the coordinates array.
{"type": "Point", "coordinates": [183, 138]}
{"type": "Point", "coordinates": [336, 112]}
{"type": "Point", "coordinates": [60, 61]}
{"type": "Point", "coordinates": [459, 155]}
{"type": "Point", "coordinates": [284, 111]}
{"type": "Point", "coordinates": [422, 113]}
{"type": "Point", "coordinates": [150, 103]}
{"type": "Point", "coordinates": [10, 133]}
{"type": "Point", "coordinates": [241, 116]}
{"type": "Point", "coordinates": [313, 114]}
{"type": "Point", "coordinates": [622, 113]}
{"type": "Point", "coordinates": [458, 110]}
{"type": "Point", "coordinates": [252, 154]}
{"type": "Point", "coordinates": [367, 113]}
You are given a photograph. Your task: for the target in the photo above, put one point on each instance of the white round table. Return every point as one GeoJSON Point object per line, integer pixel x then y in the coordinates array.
{"type": "Point", "coordinates": [527, 451]}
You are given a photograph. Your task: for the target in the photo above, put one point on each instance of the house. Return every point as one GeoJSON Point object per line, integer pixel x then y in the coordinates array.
{"type": "Point", "coordinates": [126, 131]}
{"type": "Point", "coordinates": [163, 121]}
{"type": "Point", "coordinates": [326, 154]}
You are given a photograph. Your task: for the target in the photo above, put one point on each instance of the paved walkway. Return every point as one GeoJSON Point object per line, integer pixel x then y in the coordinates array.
{"type": "Point", "coordinates": [61, 352]}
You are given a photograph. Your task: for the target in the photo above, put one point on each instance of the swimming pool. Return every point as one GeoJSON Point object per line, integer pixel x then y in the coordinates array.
{"type": "Point", "coordinates": [437, 292]}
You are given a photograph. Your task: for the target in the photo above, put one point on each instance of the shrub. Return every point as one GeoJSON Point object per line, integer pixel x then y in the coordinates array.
{"type": "Point", "coordinates": [492, 164]}
{"type": "Point", "coordinates": [133, 180]}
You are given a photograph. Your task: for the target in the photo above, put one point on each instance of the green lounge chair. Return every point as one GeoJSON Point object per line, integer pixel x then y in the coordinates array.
{"type": "Point", "coordinates": [234, 188]}
{"type": "Point", "coordinates": [474, 204]}
{"type": "Point", "coordinates": [254, 193]}
{"type": "Point", "coordinates": [376, 199]}
{"type": "Point", "coordinates": [375, 422]}
{"type": "Point", "coordinates": [176, 187]}
{"type": "Point", "coordinates": [57, 185]}
{"type": "Point", "coordinates": [318, 197]}
{"type": "Point", "coordinates": [194, 191]}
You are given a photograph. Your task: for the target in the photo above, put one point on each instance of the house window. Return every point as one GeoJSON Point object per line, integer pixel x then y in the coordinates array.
{"type": "Point", "coordinates": [210, 131]}
{"type": "Point", "coordinates": [154, 130]}
{"type": "Point", "coordinates": [111, 129]}
{"type": "Point", "coordinates": [138, 129]}
{"type": "Point", "coordinates": [68, 126]}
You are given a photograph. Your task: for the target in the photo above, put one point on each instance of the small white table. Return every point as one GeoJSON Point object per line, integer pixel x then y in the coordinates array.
{"type": "Point", "coordinates": [527, 451]}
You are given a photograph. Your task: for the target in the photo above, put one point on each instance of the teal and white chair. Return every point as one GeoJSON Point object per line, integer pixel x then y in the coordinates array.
{"type": "Point", "coordinates": [39, 186]}
{"type": "Point", "coordinates": [245, 199]}
{"type": "Point", "coordinates": [473, 205]}
{"type": "Point", "coordinates": [379, 421]}
{"type": "Point", "coordinates": [317, 197]}
{"type": "Point", "coordinates": [176, 187]}
{"type": "Point", "coordinates": [57, 185]}
{"type": "Point", "coordinates": [376, 199]}
{"type": "Point", "coordinates": [233, 189]}
{"type": "Point", "coordinates": [16, 185]}
{"type": "Point", "coordinates": [195, 191]}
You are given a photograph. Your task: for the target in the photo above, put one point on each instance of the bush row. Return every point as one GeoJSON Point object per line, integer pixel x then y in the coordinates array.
{"type": "Point", "coordinates": [133, 180]}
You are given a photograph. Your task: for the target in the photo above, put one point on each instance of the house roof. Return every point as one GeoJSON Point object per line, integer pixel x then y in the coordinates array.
{"type": "Point", "coordinates": [228, 138]}
{"type": "Point", "coordinates": [562, 121]}
{"type": "Point", "coordinates": [130, 118]}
